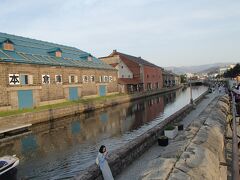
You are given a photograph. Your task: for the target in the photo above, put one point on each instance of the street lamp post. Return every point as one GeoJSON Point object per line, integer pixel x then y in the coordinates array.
{"type": "Point", "coordinates": [191, 99]}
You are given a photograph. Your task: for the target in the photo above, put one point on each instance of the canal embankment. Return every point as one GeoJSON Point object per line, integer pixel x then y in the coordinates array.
{"type": "Point", "coordinates": [124, 156]}
{"type": "Point", "coordinates": [197, 153]}
{"type": "Point", "coordinates": [13, 121]}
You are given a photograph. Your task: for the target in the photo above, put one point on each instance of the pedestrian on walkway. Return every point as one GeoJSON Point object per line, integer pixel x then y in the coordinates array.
{"type": "Point", "coordinates": [103, 164]}
{"type": "Point", "coordinates": [220, 89]}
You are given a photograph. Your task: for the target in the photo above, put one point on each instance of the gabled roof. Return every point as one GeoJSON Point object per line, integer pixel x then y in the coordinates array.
{"type": "Point", "coordinates": [132, 65]}
{"type": "Point", "coordinates": [114, 64]}
{"type": "Point", "coordinates": [54, 50]}
{"type": "Point", "coordinates": [31, 51]}
{"type": "Point", "coordinates": [138, 60]}
{"type": "Point", "coordinates": [6, 40]}
{"type": "Point", "coordinates": [166, 72]}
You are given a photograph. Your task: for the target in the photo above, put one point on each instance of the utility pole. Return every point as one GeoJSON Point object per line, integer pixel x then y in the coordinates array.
{"type": "Point", "coordinates": [191, 99]}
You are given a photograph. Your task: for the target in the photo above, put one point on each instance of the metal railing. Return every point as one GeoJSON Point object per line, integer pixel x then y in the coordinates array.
{"type": "Point", "coordinates": [235, 161]}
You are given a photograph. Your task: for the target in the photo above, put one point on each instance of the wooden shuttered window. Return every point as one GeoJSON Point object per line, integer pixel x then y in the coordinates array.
{"type": "Point", "coordinates": [26, 79]}
{"type": "Point", "coordinates": [72, 79]}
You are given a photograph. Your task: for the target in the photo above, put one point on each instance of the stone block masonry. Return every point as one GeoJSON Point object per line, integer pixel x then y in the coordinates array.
{"type": "Point", "coordinates": [44, 93]}
{"type": "Point", "coordinates": [199, 152]}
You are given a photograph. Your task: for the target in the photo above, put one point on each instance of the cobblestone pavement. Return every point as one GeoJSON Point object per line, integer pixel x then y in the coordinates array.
{"type": "Point", "coordinates": [133, 171]}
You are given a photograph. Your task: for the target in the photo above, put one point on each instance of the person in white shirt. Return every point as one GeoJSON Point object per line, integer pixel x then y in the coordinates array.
{"type": "Point", "coordinates": [103, 164]}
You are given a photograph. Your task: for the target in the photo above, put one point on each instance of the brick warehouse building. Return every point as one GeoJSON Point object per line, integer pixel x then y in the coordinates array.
{"type": "Point", "coordinates": [134, 73]}
{"type": "Point", "coordinates": [35, 73]}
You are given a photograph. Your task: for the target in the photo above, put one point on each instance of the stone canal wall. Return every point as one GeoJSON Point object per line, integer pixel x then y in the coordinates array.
{"type": "Point", "coordinates": [199, 153]}
{"type": "Point", "coordinates": [47, 115]}
{"type": "Point", "coordinates": [124, 156]}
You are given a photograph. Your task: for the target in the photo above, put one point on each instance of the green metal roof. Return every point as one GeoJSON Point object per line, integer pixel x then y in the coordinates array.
{"type": "Point", "coordinates": [31, 51]}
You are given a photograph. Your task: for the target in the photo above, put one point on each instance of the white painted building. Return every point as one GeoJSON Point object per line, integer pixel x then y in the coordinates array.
{"type": "Point", "coordinates": [123, 70]}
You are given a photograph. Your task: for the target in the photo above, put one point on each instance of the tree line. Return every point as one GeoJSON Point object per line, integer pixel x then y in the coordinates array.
{"type": "Point", "coordinates": [233, 72]}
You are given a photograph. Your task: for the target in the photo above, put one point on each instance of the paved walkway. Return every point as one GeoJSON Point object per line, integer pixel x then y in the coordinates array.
{"type": "Point", "coordinates": [133, 171]}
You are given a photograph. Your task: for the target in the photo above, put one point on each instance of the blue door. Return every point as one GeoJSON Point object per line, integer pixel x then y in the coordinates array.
{"type": "Point", "coordinates": [73, 93]}
{"type": "Point", "coordinates": [102, 90]}
{"type": "Point", "coordinates": [25, 99]}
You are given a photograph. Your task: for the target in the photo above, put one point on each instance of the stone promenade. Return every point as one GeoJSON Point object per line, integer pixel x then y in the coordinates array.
{"type": "Point", "coordinates": [196, 152]}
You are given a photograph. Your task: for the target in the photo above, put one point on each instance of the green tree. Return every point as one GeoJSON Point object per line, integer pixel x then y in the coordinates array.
{"type": "Point", "coordinates": [218, 76]}
{"type": "Point", "coordinates": [183, 78]}
{"type": "Point", "coordinates": [233, 72]}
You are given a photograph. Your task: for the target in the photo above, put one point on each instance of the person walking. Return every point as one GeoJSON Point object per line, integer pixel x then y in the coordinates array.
{"type": "Point", "coordinates": [103, 164]}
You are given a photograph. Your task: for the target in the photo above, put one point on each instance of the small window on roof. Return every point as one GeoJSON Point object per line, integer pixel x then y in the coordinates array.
{"type": "Point", "coordinates": [8, 45]}
{"type": "Point", "coordinates": [58, 54]}
{"type": "Point", "coordinates": [90, 58]}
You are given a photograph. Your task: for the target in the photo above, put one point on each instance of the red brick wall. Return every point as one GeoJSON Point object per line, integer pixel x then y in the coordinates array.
{"type": "Point", "coordinates": [152, 75]}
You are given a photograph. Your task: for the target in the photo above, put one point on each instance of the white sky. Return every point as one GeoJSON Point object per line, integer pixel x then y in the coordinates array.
{"type": "Point", "coordinates": [164, 32]}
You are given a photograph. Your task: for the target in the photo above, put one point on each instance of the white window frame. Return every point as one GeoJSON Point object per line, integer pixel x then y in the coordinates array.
{"type": "Point", "coordinates": [92, 80]}
{"type": "Point", "coordinates": [101, 79]}
{"type": "Point", "coordinates": [29, 79]}
{"type": "Point", "coordinates": [105, 79]}
{"type": "Point", "coordinates": [83, 78]}
{"type": "Point", "coordinates": [57, 79]}
{"type": "Point", "coordinates": [70, 79]}
{"type": "Point", "coordinates": [43, 79]}
{"type": "Point", "coordinates": [110, 78]}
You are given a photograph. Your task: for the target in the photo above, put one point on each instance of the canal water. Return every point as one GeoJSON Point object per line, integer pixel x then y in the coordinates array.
{"type": "Point", "coordinates": [62, 148]}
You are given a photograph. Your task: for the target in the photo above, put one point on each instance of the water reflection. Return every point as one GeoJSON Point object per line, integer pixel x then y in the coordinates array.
{"type": "Point", "coordinates": [63, 147]}
{"type": "Point", "coordinates": [28, 143]}
{"type": "Point", "coordinates": [75, 126]}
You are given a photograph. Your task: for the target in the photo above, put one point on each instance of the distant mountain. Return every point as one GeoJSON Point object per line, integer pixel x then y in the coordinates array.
{"type": "Point", "coordinates": [210, 70]}
{"type": "Point", "coordinates": [197, 69]}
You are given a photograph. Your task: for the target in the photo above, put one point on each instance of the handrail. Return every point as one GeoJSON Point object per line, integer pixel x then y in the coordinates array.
{"type": "Point", "coordinates": [235, 166]}
{"type": "Point", "coordinates": [236, 91]}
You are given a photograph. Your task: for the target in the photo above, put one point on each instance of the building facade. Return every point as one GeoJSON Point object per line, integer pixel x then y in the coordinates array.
{"type": "Point", "coordinates": [134, 73]}
{"type": "Point", "coordinates": [35, 73]}
{"type": "Point", "coordinates": [170, 79]}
